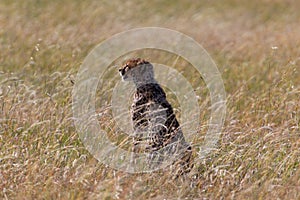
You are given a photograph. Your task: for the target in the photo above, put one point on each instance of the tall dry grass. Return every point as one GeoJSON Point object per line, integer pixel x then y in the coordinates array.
{"type": "Point", "coordinates": [255, 45]}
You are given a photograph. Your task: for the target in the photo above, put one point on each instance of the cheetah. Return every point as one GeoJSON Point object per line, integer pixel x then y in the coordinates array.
{"type": "Point", "coordinates": [154, 122]}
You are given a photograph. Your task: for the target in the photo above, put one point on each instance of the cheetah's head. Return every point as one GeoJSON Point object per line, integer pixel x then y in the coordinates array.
{"type": "Point", "coordinates": [137, 70]}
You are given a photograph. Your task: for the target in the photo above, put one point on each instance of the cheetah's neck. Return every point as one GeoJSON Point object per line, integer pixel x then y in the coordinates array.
{"type": "Point", "coordinates": [141, 81]}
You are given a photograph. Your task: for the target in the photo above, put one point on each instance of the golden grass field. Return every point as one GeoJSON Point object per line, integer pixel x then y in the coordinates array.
{"type": "Point", "coordinates": [255, 44]}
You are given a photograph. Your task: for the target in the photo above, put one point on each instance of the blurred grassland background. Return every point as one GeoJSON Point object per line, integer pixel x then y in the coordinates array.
{"type": "Point", "coordinates": [255, 44]}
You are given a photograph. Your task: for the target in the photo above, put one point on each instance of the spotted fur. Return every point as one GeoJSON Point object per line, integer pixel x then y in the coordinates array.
{"type": "Point", "coordinates": [154, 122]}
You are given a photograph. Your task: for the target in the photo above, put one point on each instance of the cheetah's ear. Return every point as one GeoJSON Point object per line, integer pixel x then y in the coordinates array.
{"type": "Point", "coordinates": [138, 61]}
{"type": "Point", "coordinates": [142, 61]}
